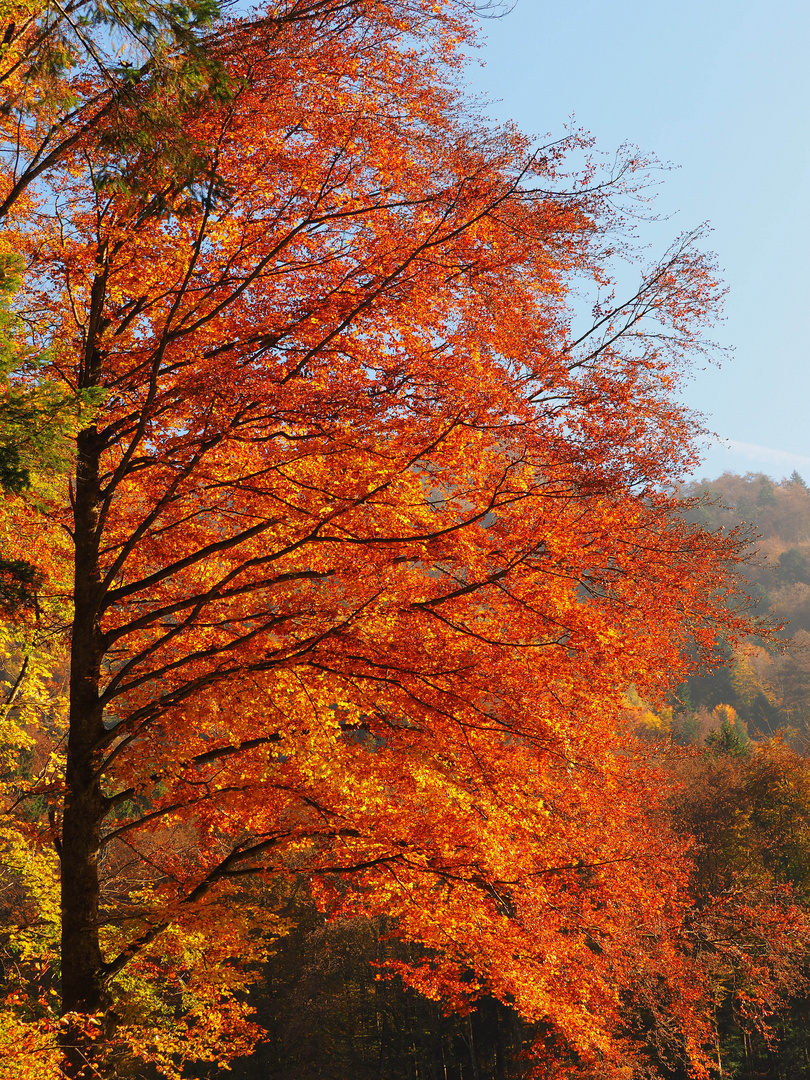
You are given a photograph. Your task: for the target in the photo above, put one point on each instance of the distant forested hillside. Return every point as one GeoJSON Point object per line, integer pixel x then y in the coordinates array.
{"type": "Point", "coordinates": [764, 690]}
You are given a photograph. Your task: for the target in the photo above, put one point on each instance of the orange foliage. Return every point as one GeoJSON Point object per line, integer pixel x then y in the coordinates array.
{"type": "Point", "coordinates": [368, 543]}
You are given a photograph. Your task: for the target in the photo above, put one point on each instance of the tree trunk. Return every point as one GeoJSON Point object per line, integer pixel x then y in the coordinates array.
{"type": "Point", "coordinates": [473, 1054]}
{"type": "Point", "coordinates": [85, 804]}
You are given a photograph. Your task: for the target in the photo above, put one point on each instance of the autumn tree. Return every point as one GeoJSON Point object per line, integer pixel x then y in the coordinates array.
{"type": "Point", "coordinates": [748, 814]}
{"type": "Point", "coordinates": [368, 542]}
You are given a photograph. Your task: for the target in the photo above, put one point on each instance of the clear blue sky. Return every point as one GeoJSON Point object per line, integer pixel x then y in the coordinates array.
{"type": "Point", "coordinates": [722, 90]}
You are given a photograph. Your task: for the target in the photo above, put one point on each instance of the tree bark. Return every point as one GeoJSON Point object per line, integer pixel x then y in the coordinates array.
{"type": "Point", "coordinates": [85, 803]}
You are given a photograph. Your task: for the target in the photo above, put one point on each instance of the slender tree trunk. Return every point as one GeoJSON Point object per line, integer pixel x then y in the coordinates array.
{"type": "Point", "coordinates": [85, 809]}
{"type": "Point", "coordinates": [473, 1055]}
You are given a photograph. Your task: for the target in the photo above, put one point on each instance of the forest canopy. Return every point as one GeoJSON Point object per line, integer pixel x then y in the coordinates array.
{"type": "Point", "coordinates": [339, 550]}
